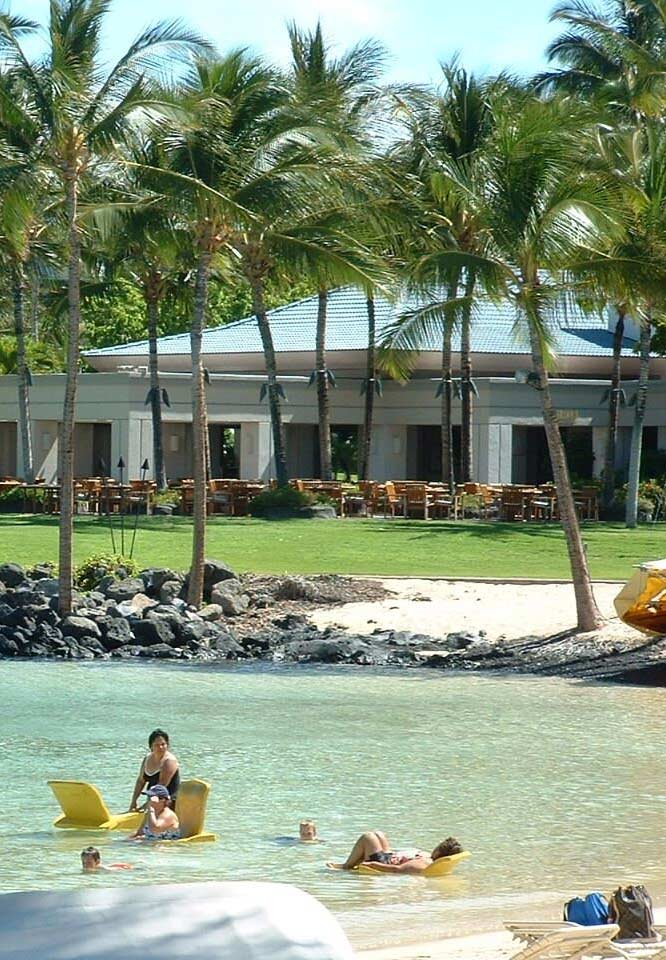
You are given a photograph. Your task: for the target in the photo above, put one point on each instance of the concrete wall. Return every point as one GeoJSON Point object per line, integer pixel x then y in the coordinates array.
{"type": "Point", "coordinates": [119, 400]}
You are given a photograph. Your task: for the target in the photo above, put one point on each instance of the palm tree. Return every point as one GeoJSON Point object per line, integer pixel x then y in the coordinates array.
{"type": "Point", "coordinates": [80, 113]}
{"type": "Point", "coordinates": [614, 59]}
{"type": "Point", "coordinates": [342, 94]}
{"type": "Point", "coordinates": [539, 208]}
{"type": "Point", "coordinates": [450, 127]}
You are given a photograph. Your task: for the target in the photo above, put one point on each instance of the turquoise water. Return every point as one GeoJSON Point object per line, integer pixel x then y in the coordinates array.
{"type": "Point", "coordinates": [557, 788]}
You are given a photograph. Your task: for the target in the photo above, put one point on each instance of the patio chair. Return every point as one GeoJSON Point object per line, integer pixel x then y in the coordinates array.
{"type": "Point", "coordinates": [444, 504]}
{"type": "Point", "coordinates": [571, 943]}
{"type": "Point", "coordinates": [219, 497]}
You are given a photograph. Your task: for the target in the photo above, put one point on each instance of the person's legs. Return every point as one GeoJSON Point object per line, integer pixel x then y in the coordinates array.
{"type": "Point", "coordinates": [368, 843]}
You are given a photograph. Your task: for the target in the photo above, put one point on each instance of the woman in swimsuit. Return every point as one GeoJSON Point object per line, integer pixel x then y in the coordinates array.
{"type": "Point", "coordinates": [160, 823]}
{"type": "Point", "coordinates": [157, 767]}
{"type": "Point", "coordinates": [374, 848]}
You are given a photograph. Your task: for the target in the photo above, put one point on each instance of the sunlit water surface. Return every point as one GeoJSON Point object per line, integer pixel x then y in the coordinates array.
{"type": "Point", "coordinates": [556, 788]}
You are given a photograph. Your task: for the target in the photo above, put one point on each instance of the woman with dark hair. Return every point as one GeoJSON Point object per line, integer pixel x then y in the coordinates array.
{"type": "Point", "coordinates": [157, 767]}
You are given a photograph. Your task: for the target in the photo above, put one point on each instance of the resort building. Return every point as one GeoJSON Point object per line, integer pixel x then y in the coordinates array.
{"type": "Point", "coordinates": [113, 418]}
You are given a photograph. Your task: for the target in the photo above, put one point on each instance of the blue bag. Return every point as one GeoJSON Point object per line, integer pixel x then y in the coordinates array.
{"type": "Point", "coordinates": [589, 911]}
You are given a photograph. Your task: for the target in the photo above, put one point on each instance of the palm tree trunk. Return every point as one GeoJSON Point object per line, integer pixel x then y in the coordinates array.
{"type": "Point", "coordinates": [370, 387]}
{"type": "Point", "coordinates": [608, 491]}
{"type": "Point", "coordinates": [466, 397]}
{"type": "Point", "coordinates": [631, 518]}
{"type": "Point", "coordinates": [448, 473]}
{"type": "Point", "coordinates": [25, 424]}
{"type": "Point", "coordinates": [279, 442]}
{"type": "Point", "coordinates": [199, 428]}
{"type": "Point", "coordinates": [587, 611]}
{"type": "Point", "coordinates": [35, 304]}
{"type": "Point", "coordinates": [446, 395]}
{"type": "Point", "coordinates": [324, 413]}
{"type": "Point", "coordinates": [159, 469]}
{"type": "Point", "coordinates": [66, 444]}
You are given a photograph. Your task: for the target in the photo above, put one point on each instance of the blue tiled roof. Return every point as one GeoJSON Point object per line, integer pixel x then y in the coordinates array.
{"type": "Point", "coordinates": [293, 327]}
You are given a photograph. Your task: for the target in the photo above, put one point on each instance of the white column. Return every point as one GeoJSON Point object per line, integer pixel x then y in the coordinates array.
{"type": "Point", "coordinates": [120, 431]}
{"type": "Point", "coordinates": [256, 451]}
{"type": "Point", "coordinates": [599, 435]}
{"type": "Point", "coordinates": [494, 452]}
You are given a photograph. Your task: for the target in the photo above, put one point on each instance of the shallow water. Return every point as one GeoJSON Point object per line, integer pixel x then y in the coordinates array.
{"type": "Point", "coordinates": [557, 788]}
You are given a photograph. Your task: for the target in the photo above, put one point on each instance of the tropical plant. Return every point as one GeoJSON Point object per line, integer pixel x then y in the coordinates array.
{"type": "Point", "coordinates": [80, 113]}
{"type": "Point", "coordinates": [541, 212]}
{"type": "Point", "coordinates": [612, 57]}
{"type": "Point", "coordinates": [341, 93]}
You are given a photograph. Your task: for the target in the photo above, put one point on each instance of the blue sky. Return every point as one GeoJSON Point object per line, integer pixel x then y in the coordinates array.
{"type": "Point", "coordinates": [489, 34]}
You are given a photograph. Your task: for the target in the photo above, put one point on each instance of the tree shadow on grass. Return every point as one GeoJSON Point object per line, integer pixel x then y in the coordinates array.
{"type": "Point", "coordinates": [422, 529]}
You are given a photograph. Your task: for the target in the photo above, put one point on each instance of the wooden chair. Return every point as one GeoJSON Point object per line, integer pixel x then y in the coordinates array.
{"type": "Point", "coordinates": [219, 497]}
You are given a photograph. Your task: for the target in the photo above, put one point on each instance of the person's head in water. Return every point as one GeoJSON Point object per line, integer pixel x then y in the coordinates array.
{"type": "Point", "coordinates": [91, 859]}
{"type": "Point", "coordinates": [307, 830]}
{"type": "Point", "coordinates": [447, 848]}
{"type": "Point", "coordinates": [158, 741]}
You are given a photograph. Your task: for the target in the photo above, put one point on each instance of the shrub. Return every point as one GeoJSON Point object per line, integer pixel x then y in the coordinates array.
{"type": "Point", "coordinates": [166, 498]}
{"type": "Point", "coordinates": [283, 499]}
{"type": "Point", "coordinates": [92, 571]}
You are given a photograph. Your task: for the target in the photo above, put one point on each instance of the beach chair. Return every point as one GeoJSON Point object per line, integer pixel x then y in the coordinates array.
{"type": "Point", "coordinates": [83, 808]}
{"type": "Point", "coordinates": [530, 931]}
{"type": "Point", "coordinates": [170, 921]}
{"type": "Point", "coordinates": [191, 803]}
{"type": "Point", "coordinates": [571, 943]}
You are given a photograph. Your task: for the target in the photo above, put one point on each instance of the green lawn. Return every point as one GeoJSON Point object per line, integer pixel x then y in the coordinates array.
{"type": "Point", "coordinates": [401, 547]}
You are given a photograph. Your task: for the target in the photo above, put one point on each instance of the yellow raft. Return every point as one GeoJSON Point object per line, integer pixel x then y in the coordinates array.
{"type": "Point", "coordinates": [642, 601]}
{"type": "Point", "coordinates": [440, 868]}
{"type": "Point", "coordinates": [84, 809]}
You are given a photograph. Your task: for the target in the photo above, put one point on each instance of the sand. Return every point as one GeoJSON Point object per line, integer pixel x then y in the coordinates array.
{"type": "Point", "coordinates": [437, 607]}
{"type": "Point", "coordinates": [497, 945]}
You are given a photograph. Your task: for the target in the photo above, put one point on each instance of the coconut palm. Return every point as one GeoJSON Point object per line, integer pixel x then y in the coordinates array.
{"type": "Point", "coordinates": [612, 57]}
{"type": "Point", "coordinates": [540, 209]}
{"type": "Point", "coordinates": [341, 93]}
{"type": "Point", "coordinates": [80, 113]}
{"type": "Point", "coordinates": [451, 128]}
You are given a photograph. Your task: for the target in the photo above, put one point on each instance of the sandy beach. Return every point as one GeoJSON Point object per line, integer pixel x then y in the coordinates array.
{"type": "Point", "coordinates": [498, 945]}
{"type": "Point", "coordinates": [503, 610]}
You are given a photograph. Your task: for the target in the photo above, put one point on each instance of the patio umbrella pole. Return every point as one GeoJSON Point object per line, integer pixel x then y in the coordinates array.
{"type": "Point", "coordinates": [145, 467]}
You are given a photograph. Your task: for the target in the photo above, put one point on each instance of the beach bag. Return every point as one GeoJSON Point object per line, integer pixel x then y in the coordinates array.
{"type": "Point", "coordinates": [631, 909]}
{"type": "Point", "coordinates": [589, 911]}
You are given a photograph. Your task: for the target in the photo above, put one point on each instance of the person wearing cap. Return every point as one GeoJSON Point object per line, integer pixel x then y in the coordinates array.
{"type": "Point", "coordinates": [160, 822]}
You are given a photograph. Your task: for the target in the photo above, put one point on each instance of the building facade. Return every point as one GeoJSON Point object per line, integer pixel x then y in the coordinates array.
{"type": "Point", "coordinates": [113, 419]}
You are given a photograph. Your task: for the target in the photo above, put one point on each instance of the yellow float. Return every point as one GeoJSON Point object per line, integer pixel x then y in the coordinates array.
{"type": "Point", "coordinates": [83, 808]}
{"type": "Point", "coordinates": [441, 867]}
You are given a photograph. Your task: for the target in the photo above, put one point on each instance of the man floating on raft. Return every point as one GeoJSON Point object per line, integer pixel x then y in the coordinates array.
{"type": "Point", "coordinates": [372, 853]}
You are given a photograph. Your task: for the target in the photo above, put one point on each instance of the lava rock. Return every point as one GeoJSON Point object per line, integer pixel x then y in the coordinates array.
{"type": "Point", "coordinates": [211, 612]}
{"type": "Point", "coordinates": [120, 590]}
{"type": "Point", "coordinates": [79, 628]}
{"type": "Point", "coordinates": [230, 597]}
{"type": "Point", "coordinates": [158, 651]}
{"type": "Point", "coordinates": [296, 588]}
{"type": "Point", "coordinates": [170, 590]}
{"type": "Point", "coordinates": [12, 574]}
{"type": "Point", "coordinates": [153, 632]}
{"type": "Point", "coordinates": [115, 633]}
{"type": "Point", "coordinates": [215, 572]}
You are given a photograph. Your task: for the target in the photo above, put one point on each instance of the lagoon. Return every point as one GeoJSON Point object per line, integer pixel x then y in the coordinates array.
{"type": "Point", "coordinates": [557, 788]}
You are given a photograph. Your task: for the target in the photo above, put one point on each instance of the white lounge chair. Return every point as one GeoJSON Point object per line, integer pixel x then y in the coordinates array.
{"type": "Point", "coordinates": [206, 921]}
{"type": "Point", "coordinates": [528, 931]}
{"type": "Point", "coordinates": [570, 943]}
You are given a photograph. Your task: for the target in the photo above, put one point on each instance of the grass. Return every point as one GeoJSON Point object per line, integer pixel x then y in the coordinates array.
{"type": "Point", "coordinates": [399, 547]}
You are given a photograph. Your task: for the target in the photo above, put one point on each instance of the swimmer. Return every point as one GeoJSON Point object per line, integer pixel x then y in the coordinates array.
{"type": "Point", "coordinates": [160, 822]}
{"type": "Point", "coordinates": [373, 848]}
{"type": "Point", "coordinates": [91, 862]}
{"type": "Point", "coordinates": [307, 832]}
